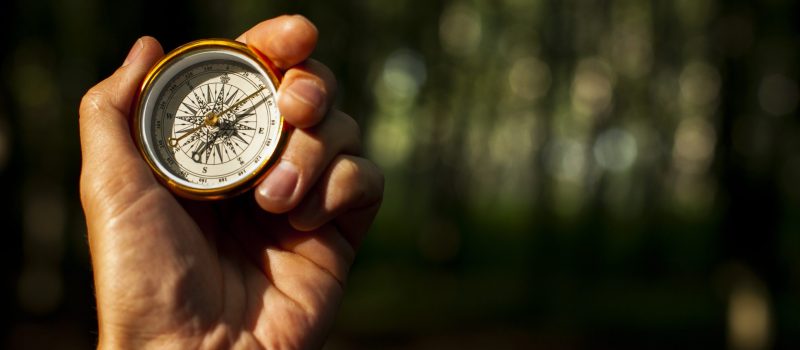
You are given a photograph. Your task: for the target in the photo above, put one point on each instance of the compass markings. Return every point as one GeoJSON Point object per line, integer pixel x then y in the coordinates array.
{"type": "Point", "coordinates": [240, 127]}
{"type": "Point", "coordinates": [227, 143]}
{"type": "Point", "coordinates": [231, 137]}
{"type": "Point", "coordinates": [199, 100]}
{"type": "Point", "coordinates": [228, 101]}
{"type": "Point", "coordinates": [218, 99]}
{"type": "Point", "coordinates": [193, 120]}
{"type": "Point", "coordinates": [197, 153]}
{"type": "Point", "coordinates": [218, 152]}
{"type": "Point", "coordinates": [187, 129]}
{"type": "Point", "coordinates": [191, 110]}
{"type": "Point", "coordinates": [243, 115]}
{"type": "Point", "coordinates": [236, 134]}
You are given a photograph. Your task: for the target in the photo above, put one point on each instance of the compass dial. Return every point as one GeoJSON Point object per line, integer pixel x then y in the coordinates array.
{"type": "Point", "coordinates": [208, 120]}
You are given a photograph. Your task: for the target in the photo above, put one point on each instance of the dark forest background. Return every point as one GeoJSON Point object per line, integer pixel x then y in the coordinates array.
{"type": "Point", "coordinates": [560, 173]}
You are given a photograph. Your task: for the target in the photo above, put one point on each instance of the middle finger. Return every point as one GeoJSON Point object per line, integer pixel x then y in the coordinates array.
{"type": "Point", "coordinates": [307, 155]}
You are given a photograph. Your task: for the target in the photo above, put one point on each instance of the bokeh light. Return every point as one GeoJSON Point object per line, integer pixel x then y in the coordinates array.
{"type": "Point", "coordinates": [460, 29]}
{"type": "Point", "coordinates": [699, 86]}
{"type": "Point", "coordinates": [529, 78]}
{"type": "Point", "coordinates": [592, 87]}
{"type": "Point", "coordinates": [615, 150]}
{"type": "Point", "coordinates": [693, 150]}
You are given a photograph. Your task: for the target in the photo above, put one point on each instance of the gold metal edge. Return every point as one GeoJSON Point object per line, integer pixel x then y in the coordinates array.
{"type": "Point", "coordinates": [255, 176]}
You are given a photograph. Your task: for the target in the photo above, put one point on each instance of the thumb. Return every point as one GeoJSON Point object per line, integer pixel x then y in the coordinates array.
{"type": "Point", "coordinates": [111, 162]}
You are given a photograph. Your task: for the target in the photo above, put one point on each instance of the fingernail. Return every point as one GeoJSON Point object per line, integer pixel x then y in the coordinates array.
{"type": "Point", "coordinates": [306, 92]}
{"type": "Point", "coordinates": [280, 183]}
{"type": "Point", "coordinates": [137, 47]}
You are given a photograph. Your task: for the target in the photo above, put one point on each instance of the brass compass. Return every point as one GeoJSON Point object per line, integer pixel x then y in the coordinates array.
{"type": "Point", "coordinates": [207, 120]}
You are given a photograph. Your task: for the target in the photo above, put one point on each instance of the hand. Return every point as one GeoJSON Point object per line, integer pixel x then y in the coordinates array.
{"type": "Point", "coordinates": [247, 272]}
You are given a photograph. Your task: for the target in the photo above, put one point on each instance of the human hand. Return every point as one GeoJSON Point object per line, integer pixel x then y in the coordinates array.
{"type": "Point", "coordinates": [246, 272]}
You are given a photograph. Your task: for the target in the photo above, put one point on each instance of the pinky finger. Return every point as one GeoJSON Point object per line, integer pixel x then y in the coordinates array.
{"type": "Point", "coordinates": [351, 185]}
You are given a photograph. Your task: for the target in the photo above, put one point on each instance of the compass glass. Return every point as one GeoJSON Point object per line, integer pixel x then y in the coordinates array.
{"type": "Point", "coordinates": [209, 121]}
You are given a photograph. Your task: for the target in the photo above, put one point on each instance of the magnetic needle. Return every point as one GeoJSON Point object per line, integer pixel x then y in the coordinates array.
{"type": "Point", "coordinates": [207, 120]}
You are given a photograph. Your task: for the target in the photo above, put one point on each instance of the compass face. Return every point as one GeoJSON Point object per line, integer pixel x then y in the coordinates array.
{"type": "Point", "coordinates": [208, 120]}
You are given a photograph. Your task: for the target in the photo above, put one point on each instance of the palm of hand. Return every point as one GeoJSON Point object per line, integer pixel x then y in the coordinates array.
{"type": "Point", "coordinates": [232, 283]}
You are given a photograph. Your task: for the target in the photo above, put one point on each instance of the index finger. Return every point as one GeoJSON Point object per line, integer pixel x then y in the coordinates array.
{"type": "Point", "coordinates": [286, 40]}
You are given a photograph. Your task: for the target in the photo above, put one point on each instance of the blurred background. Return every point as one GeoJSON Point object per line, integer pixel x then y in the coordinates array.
{"type": "Point", "coordinates": [561, 174]}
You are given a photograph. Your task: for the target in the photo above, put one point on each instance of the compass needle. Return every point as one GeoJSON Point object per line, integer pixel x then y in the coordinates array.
{"type": "Point", "coordinates": [241, 101]}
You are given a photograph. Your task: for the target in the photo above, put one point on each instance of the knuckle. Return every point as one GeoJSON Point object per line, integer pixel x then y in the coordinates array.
{"type": "Point", "coordinates": [350, 173]}
{"type": "Point", "coordinates": [349, 169]}
{"type": "Point", "coordinates": [354, 180]}
{"type": "Point", "coordinates": [93, 100]}
{"type": "Point", "coordinates": [361, 181]}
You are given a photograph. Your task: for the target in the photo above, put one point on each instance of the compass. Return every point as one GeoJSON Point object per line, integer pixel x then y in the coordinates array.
{"type": "Point", "coordinates": [207, 120]}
